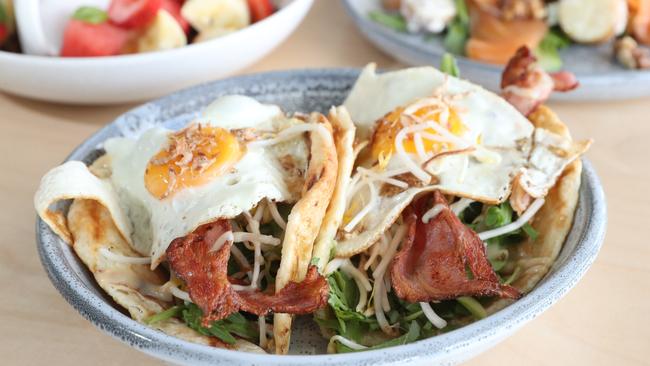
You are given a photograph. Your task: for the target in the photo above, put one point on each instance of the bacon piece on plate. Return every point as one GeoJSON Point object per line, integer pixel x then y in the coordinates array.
{"type": "Point", "coordinates": [525, 85]}
{"type": "Point", "coordinates": [431, 265]}
{"type": "Point", "coordinates": [205, 274]}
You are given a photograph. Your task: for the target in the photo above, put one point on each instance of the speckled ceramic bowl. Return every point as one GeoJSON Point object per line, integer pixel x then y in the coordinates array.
{"type": "Point", "coordinates": [306, 90]}
{"type": "Point", "coordinates": [594, 66]}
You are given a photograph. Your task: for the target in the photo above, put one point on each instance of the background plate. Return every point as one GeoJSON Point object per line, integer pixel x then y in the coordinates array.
{"type": "Point", "coordinates": [600, 77]}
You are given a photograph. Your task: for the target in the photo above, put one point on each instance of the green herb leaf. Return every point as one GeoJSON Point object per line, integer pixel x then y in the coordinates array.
{"type": "Point", "coordinates": [90, 14]}
{"type": "Point", "coordinates": [222, 329]}
{"type": "Point", "coordinates": [458, 30]}
{"type": "Point", "coordinates": [473, 306]}
{"type": "Point", "coordinates": [548, 50]}
{"type": "Point", "coordinates": [449, 66]}
{"type": "Point", "coordinates": [393, 21]}
{"type": "Point", "coordinates": [172, 312]}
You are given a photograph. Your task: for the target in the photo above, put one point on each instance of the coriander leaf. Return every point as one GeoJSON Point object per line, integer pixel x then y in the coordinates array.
{"type": "Point", "coordinates": [172, 312]}
{"type": "Point", "coordinates": [449, 66]}
{"type": "Point", "coordinates": [393, 21]}
{"type": "Point", "coordinates": [90, 15]}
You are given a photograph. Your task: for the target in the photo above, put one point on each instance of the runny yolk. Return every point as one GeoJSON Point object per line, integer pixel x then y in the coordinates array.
{"type": "Point", "coordinates": [383, 143]}
{"type": "Point", "coordinates": [194, 156]}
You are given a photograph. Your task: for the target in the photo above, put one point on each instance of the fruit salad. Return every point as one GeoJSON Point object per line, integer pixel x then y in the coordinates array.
{"type": "Point", "coordinates": [92, 28]}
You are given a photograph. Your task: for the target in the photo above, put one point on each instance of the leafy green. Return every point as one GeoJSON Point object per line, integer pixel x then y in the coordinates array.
{"type": "Point", "coordinates": [449, 66]}
{"type": "Point", "coordinates": [393, 21]}
{"type": "Point", "coordinates": [458, 30]}
{"type": "Point", "coordinates": [343, 297]}
{"type": "Point", "coordinates": [473, 306]}
{"type": "Point", "coordinates": [548, 50]}
{"type": "Point", "coordinates": [223, 329]}
{"type": "Point", "coordinates": [90, 15]}
{"type": "Point", "coordinates": [412, 335]}
{"type": "Point", "coordinates": [172, 312]}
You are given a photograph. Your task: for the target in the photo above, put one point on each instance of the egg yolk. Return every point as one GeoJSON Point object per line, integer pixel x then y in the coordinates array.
{"type": "Point", "coordinates": [383, 143]}
{"type": "Point", "coordinates": [194, 156]}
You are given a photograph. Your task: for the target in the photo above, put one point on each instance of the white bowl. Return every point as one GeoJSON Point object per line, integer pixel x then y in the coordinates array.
{"type": "Point", "coordinates": [128, 78]}
{"type": "Point", "coordinates": [305, 91]}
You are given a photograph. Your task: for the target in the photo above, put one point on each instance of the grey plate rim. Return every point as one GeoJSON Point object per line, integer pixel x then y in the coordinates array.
{"type": "Point", "coordinates": [373, 32]}
{"type": "Point", "coordinates": [489, 330]}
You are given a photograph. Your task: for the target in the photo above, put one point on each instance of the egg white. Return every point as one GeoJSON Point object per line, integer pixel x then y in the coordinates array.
{"type": "Point", "coordinates": [258, 175]}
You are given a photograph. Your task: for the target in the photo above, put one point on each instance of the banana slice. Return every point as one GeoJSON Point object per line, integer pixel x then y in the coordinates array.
{"type": "Point", "coordinates": [163, 33]}
{"type": "Point", "coordinates": [207, 35]}
{"type": "Point", "coordinates": [207, 15]}
{"type": "Point", "coordinates": [592, 21]}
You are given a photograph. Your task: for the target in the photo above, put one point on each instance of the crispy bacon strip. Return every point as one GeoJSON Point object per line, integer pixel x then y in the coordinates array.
{"type": "Point", "coordinates": [205, 274]}
{"type": "Point", "coordinates": [431, 264]}
{"type": "Point", "coordinates": [525, 85]}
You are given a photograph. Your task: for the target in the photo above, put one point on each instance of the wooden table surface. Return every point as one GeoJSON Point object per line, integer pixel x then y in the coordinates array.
{"type": "Point", "coordinates": [604, 320]}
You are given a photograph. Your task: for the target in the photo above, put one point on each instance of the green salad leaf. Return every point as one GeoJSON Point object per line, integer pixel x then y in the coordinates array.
{"type": "Point", "coordinates": [548, 50]}
{"type": "Point", "coordinates": [449, 66]}
{"type": "Point", "coordinates": [90, 15]}
{"type": "Point", "coordinates": [172, 312]}
{"type": "Point", "coordinates": [191, 314]}
{"type": "Point", "coordinates": [412, 335]}
{"type": "Point", "coordinates": [458, 30]}
{"type": "Point", "coordinates": [393, 21]}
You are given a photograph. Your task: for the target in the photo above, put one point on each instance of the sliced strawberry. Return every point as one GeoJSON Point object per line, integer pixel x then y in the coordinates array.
{"type": "Point", "coordinates": [4, 33]}
{"type": "Point", "coordinates": [173, 7]}
{"type": "Point", "coordinates": [133, 13]}
{"type": "Point", "coordinates": [83, 39]}
{"type": "Point", "coordinates": [260, 9]}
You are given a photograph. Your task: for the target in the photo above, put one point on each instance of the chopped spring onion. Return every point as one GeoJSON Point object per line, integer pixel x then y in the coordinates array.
{"type": "Point", "coordinates": [119, 258]}
{"type": "Point", "coordinates": [521, 221]}
{"type": "Point", "coordinates": [434, 318]}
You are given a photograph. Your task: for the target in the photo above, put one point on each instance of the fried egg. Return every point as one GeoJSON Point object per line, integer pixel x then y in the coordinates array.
{"type": "Point", "coordinates": [166, 183]}
{"type": "Point", "coordinates": [430, 131]}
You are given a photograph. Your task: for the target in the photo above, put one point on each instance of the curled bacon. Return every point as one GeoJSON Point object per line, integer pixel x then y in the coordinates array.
{"type": "Point", "coordinates": [431, 265]}
{"type": "Point", "coordinates": [525, 85]}
{"type": "Point", "coordinates": [205, 274]}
